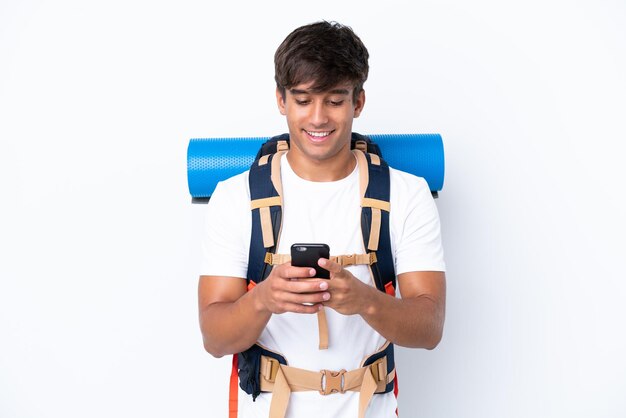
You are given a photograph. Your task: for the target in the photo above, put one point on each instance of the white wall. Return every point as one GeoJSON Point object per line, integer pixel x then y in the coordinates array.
{"type": "Point", "coordinates": [99, 241]}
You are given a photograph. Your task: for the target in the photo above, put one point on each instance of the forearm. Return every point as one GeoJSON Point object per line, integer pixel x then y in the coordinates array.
{"type": "Point", "coordinates": [232, 319]}
{"type": "Point", "coordinates": [232, 327]}
{"type": "Point", "coordinates": [416, 320]}
{"type": "Point", "coordinates": [412, 322]}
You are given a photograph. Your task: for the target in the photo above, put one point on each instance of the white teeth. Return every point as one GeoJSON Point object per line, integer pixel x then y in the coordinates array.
{"type": "Point", "coordinates": [318, 134]}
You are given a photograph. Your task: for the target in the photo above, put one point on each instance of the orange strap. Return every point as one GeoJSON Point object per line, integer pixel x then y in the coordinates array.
{"type": "Point", "coordinates": [390, 290]}
{"type": "Point", "coordinates": [233, 401]}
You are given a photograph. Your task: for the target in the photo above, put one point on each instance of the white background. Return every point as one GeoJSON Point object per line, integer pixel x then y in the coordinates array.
{"type": "Point", "coordinates": [99, 243]}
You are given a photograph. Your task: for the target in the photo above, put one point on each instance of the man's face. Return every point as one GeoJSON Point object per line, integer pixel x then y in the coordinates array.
{"type": "Point", "coordinates": [320, 124]}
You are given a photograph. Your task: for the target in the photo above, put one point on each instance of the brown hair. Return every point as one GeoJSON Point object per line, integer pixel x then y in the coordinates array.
{"type": "Point", "coordinates": [326, 53]}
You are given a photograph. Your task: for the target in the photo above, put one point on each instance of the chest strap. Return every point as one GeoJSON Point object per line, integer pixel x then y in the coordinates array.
{"type": "Point", "coordinates": [282, 380]}
{"type": "Point", "coordinates": [343, 260]}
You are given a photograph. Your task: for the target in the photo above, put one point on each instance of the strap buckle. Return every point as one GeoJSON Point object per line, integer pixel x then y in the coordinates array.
{"type": "Point", "coordinates": [379, 370]}
{"type": "Point", "coordinates": [271, 369]}
{"type": "Point", "coordinates": [361, 145]}
{"type": "Point", "coordinates": [346, 260]}
{"type": "Point", "coordinates": [332, 382]}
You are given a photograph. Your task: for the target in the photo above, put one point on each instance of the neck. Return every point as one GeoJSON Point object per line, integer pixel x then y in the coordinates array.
{"type": "Point", "coordinates": [337, 168]}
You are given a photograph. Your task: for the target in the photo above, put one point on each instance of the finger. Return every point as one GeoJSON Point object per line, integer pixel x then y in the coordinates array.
{"type": "Point", "coordinates": [306, 286]}
{"type": "Point", "coordinates": [291, 272]}
{"type": "Point", "coordinates": [307, 298]}
{"type": "Point", "coordinates": [330, 265]}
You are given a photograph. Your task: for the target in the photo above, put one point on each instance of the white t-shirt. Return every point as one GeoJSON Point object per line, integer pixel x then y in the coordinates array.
{"type": "Point", "coordinates": [330, 213]}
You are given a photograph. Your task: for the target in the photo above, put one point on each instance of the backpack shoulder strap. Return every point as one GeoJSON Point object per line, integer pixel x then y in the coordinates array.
{"type": "Point", "coordinates": [266, 206]}
{"type": "Point", "coordinates": [375, 187]}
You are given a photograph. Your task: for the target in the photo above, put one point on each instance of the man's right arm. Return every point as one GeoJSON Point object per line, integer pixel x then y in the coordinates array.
{"type": "Point", "coordinates": [232, 319]}
{"type": "Point", "coordinates": [223, 311]}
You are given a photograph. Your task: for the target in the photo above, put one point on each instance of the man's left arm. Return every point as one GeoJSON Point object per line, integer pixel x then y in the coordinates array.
{"type": "Point", "coordinates": [416, 320]}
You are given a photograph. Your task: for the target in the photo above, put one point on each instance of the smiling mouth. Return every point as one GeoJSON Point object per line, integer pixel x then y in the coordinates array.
{"type": "Point", "coordinates": [318, 136]}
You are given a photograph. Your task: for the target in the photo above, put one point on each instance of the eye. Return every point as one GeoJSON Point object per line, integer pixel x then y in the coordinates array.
{"type": "Point", "coordinates": [302, 102]}
{"type": "Point", "coordinates": [336, 102]}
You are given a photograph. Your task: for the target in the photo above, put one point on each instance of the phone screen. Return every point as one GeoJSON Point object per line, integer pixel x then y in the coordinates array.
{"type": "Point", "coordinates": [306, 255]}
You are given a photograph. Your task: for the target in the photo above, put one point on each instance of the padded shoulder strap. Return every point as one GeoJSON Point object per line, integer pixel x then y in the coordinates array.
{"type": "Point", "coordinates": [375, 209]}
{"type": "Point", "coordinates": [266, 209]}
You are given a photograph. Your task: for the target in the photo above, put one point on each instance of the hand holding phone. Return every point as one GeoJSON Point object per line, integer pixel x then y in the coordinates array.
{"type": "Point", "coordinates": [306, 255]}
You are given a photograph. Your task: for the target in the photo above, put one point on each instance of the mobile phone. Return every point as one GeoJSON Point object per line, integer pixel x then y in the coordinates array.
{"type": "Point", "coordinates": [306, 255]}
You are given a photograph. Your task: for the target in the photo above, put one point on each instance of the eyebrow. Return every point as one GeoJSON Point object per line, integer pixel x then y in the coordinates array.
{"type": "Point", "coordinates": [334, 91]}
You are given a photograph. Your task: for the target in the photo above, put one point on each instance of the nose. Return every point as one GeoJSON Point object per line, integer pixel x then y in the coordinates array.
{"type": "Point", "coordinates": [318, 115]}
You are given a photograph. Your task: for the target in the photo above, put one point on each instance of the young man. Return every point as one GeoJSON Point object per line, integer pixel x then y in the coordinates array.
{"type": "Point", "coordinates": [320, 71]}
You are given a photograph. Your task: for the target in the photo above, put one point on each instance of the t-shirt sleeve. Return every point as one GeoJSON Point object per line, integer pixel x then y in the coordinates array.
{"type": "Point", "coordinates": [226, 235]}
{"type": "Point", "coordinates": [416, 232]}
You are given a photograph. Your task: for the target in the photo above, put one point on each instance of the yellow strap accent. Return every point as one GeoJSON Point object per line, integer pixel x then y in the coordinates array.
{"type": "Point", "coordinates": [282, 380]}
{"type": "Point", "coordinates": [266, 227]}
{"type": "Point", "coordinates": [375, 204]}
{"type": "Point", "coordinates": [367, 202]}
{"type": "Point", "coordinates": [266, 220]}
{"type": "Point", "coordinates": [302, 380]}
{"type": "Point", "coordinates": [280, 146]}
{"type": "Point", "coordinates": [263, 159]}
{"type": "Point", "coordinates": [280, 398]}
{"type": "Point", "coordinates": [368, 387]}
{"type": "Point", "coordinates": [372, 245]}
{"type": "Point", "coordinates": [266, 202]}
{"type": "Point", "coordinates": [276, 259]}
{"type": "Point", "coordinates": [343, 260]}
{"type": "Point", "coordinates": [322, 326]}
{"type": "Point", "coordinates": [354, 259]}
{"type": "Point", "coordinates": [276, 179]}
{"type": "Point", "coordinates": [375, 159]}
{"type": "Point", "coordinates": [363, 173]}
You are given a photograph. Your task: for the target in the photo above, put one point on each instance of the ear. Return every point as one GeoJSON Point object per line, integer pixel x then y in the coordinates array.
{"type": "Point", "coordinates": [360, 102]}
{"type": "Point", "coordinates": [281, 102]}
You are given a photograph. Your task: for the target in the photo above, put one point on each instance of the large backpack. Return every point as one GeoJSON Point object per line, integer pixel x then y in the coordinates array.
{"type": "Point", "coordinates": [266, 206]}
